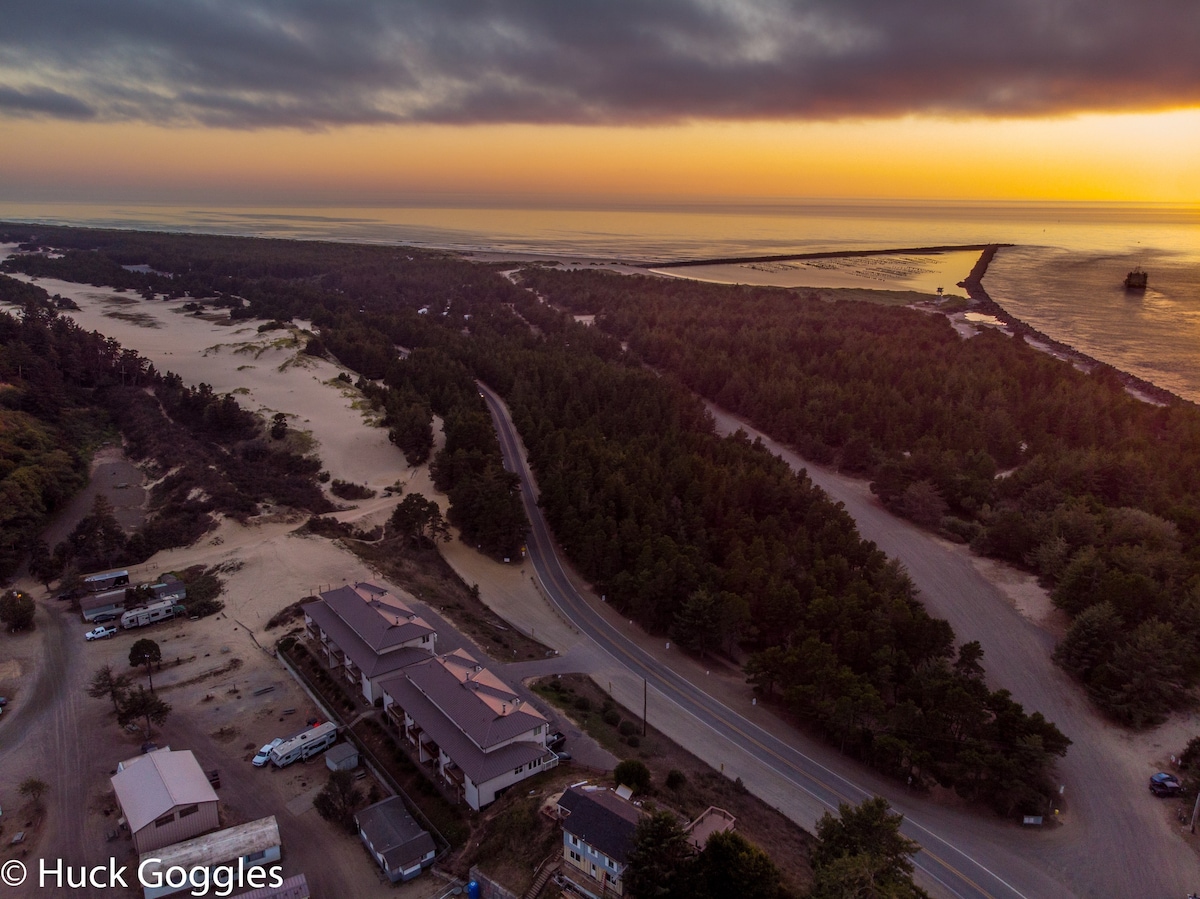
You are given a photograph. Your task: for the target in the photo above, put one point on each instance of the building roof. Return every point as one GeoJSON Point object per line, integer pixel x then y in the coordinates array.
{"type": "Point", "coordinates": [371, 627]}
{"type": "Point", "coordinates": [341, 752]}
{"type": "Point", "coordinates": [371, 663]}
{"type": "Point", "coordinates": [292, 888]}
{"type": "Point", "coordinates": [380, 619]}
{"type": "Point", "coordinates": [102, 600]}
{"type": "Point", "coordinates": [483, 707]}
{"type": "Point", "coordinates": [394, 834]}
{"type": "Point", "coordinates": [602, 819]}
{"type": "Point", "coordinates": [151, 785]}
{"type": "Point", "coordinates": [477, 764]}
{"type": "Point", "coordinates": [216, 848]}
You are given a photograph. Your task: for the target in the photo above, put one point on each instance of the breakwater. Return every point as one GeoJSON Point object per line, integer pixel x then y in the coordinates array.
{"type": "Point", "coordinates": [983, 303]}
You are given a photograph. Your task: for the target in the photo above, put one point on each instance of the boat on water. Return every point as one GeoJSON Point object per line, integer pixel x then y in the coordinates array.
{"type": "Point", "coordinates": [1136, 280]}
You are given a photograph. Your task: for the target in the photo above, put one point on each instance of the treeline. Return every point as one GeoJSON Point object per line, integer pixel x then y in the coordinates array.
{"type": "Point", "coordinates": [65, 390]}
{"type": "Point", "coordinates": [717, 542]}
{"type": "Point", "coordinates": [368, 303]}
{"type": "Point", "coordinates": [711, 540]}
{"type": "Point", "coordinates": [986, 440]}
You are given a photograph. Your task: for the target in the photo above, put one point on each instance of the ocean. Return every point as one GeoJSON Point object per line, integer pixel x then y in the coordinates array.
{"type": "Point", "coordinates": [1063, 276]}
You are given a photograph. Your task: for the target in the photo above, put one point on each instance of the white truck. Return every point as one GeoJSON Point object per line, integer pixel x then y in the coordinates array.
{"type": "Point", "coordinates": [100, 633]}
{"type": "Point", "coordinates": [156, 611]}
{"type": "Point", "coordinates": [304, 745]}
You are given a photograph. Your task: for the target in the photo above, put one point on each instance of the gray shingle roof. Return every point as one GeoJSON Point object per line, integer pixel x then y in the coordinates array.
{"type": "Point", "coordinates": [380, 619]}
{"type": "Point", "coordinates": [456, 711]}
{"type": "Point", "coordinates": [394, 834]}
{"type": "Point", "coordinates": [369, 626]}
{"type": "Point", "coordinates": [602, 819]}
{"type": "Point", "coordinates": [484, 707]}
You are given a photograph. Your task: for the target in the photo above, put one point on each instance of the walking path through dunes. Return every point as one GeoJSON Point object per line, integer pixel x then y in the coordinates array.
{"type": "Point", "coordinates": [1113, 831]}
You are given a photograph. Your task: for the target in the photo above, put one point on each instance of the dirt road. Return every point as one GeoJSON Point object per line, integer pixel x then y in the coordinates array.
{"type": "Point", "coordinates": [1115, 838]}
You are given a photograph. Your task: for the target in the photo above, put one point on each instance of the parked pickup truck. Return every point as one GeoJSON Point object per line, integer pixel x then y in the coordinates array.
{"type": "Point", "coordinates": [99, 633]}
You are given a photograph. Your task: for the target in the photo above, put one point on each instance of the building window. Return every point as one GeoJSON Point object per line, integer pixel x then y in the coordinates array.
{"type": "Point", "coordinates": [519, 770]}
{"type": "Point", "coordinates": [609, 878]}
{"type": "Point", "coordinates": [425, 639]}
{"type": "Point", "coordinates": [164, 820]}
{"type": "Point", "coordinates": [188, 810]}
{"type": "Point", "coordinates": [256, 856]}
{"type": "Point", "coordinates": [574, 840]}
{"type": "Point", "coordinates": [576, 857]}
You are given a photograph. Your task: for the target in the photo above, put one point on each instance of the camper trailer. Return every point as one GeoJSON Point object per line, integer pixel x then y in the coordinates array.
{"type": "Point", "coordinates": [305, 744]}
{"type": "Point", "coordinates": [157, 611]}
{"type": "Point", "coordinates": [106, 580]}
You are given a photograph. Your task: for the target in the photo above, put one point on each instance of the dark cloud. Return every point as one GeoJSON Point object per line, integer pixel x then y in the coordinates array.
{"type": "Point", "coordinates": [324, 63]}
{"type": "Point", "coordinates": [40, 101]}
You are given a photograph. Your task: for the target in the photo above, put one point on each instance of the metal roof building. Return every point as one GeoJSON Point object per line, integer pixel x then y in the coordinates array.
{"type": "Point", "coordinates": [165, 797]}
{"type": "Point", "coordinates": [254, 845]}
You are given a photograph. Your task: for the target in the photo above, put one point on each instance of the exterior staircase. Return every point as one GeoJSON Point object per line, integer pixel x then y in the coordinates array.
{"type": "Point", "coordinates": [545, 871]}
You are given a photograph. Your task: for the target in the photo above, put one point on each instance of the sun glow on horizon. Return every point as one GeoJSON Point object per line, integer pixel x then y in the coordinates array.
{"type": "Point", "coordinates": [1133, 157]}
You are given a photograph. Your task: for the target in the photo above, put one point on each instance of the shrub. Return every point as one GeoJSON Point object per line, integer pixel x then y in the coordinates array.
{"type": "Point", "coordinates": [675, 779]}
{"type": "Point", "coordinates": [611, 716]}
{"type": "Point", "coordinates": [348, 490]}
{"type": "Point", "coordinates": [634, 741]}
{"type": "Point", "coordinates": [627, 728]}
{"type": "Point", "coordinates": [583, 704]}
{"type": "Point", "coordinates": [633, 774]}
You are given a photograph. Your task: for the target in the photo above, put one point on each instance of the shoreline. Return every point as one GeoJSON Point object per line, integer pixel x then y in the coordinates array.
{"type": "Point", "coordinates": [973, 285]}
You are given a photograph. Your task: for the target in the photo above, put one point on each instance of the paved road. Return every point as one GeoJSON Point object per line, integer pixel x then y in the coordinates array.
{"type": "Point", "coordinates": [1117, 840]}
{"type": "Point", "coordinates": [962, 856]}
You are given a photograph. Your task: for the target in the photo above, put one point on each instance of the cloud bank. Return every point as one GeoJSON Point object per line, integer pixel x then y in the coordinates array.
{"type": "Point", "coordinates": [319, 64]}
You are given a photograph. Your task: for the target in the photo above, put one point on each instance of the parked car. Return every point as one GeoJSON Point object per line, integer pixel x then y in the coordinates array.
{"type": "Point", "coordinates": [1163, 784]}
{"type": "Point", "coordinates": [100, 633]}
{"type": "Point", "coordinates": [555, 740]}
{"type": "Point", "coordinates": [563, 756]}
{"type": "Point", "coordinates": [264, 754]}
{"type": "Point", "coordinates": [3, 701]}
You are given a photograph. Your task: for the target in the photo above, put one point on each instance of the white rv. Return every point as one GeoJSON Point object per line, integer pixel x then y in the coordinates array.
{"type": "Point", "coordinates": [156, 611]}
{"type": "Point", "coordinates": [305, 744]}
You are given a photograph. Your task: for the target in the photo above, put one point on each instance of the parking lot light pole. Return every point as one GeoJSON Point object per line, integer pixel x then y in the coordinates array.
{"type": "Point", "coordinates": [1195, 809]}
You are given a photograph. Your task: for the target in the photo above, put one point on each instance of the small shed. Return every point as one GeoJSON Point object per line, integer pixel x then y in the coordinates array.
{"type": "Point", "coordinates": [342, 757]}
{"type": "Point", "coordinates": [398, 843]}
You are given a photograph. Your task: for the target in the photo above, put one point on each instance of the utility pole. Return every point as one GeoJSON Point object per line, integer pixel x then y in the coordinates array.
{"type": "Point", "coordinates": [644, 689]}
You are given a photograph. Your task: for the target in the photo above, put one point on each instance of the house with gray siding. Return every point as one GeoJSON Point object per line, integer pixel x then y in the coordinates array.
{"type": "Point", "coordinates": [398, 843]}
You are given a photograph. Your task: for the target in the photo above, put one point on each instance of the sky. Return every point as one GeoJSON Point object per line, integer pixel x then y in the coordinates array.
{"type": "Point", "coordinates": [355, 102]}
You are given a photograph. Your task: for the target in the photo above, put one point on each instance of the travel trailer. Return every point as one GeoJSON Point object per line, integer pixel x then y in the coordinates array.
{"type": "Point", "coordinates": [305, 744]}
{"type": "Point", "coordinates": [157, 611]}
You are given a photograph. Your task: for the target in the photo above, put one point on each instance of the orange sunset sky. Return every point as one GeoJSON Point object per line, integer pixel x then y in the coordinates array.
{"type": "Point", "coordinates": [549, 102]}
